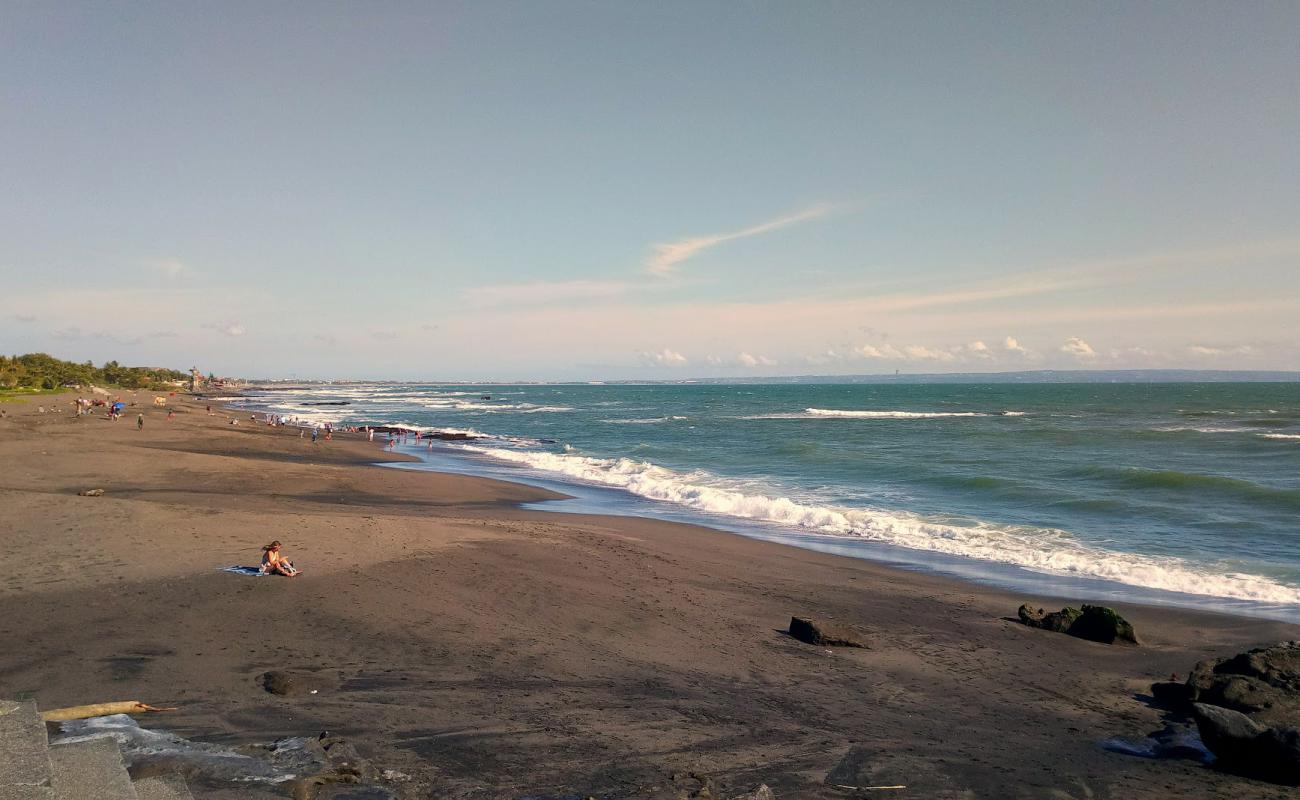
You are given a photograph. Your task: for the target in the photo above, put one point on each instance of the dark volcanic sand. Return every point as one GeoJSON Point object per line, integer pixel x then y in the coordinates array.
{"type": "Point", "coordinates": [486, 651]}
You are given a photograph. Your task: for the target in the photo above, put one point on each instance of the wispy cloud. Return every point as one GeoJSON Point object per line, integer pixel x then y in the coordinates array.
{"type": "Point", "coordinates": [168, 267]}
{"type": "Point", "coordinates": [543, 292]}
{"type": "Point", "coordinates": [666, 256]}
{"type": "Point", "coordinates": [1220, 350]}
{"type": "Point", "coordinates": [227, 328]}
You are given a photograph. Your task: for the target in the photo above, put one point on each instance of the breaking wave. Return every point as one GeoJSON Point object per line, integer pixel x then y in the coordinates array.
{"type": "Point", "coordinates": [1039, 549]}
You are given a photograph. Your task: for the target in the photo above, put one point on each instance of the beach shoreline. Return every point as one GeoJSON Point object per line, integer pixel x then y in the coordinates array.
{"type": "Point", "coordinates": [482, 649]}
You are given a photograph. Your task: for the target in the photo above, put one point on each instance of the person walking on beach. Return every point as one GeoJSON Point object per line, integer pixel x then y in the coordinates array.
{"type": "Point", "coordinates": [273, 563]}
{"type": "Point", "coordinates": [139, 421]}
{"type": "Point", "coordinates": [314, 433]}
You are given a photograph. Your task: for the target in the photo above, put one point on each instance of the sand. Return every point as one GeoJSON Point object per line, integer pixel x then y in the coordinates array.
{"type": "Point", "coordinates": [485, 651]}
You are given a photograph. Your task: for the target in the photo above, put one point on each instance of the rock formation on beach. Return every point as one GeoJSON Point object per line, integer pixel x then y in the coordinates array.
{"type": "Point", "coordinates": [1094, 623]}
{"type": "Point", "coordinates": [1247, 710]}
{"type": "Point", "coordinates": [826, 634]}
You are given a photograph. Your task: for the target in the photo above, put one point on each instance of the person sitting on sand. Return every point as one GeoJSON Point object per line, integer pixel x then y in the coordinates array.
{"type": "Point", "coordinates": [275, 564]}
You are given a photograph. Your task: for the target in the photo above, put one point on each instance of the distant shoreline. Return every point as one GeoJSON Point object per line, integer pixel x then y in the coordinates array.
{"type": "Point", "coordinates": [1047, 376]}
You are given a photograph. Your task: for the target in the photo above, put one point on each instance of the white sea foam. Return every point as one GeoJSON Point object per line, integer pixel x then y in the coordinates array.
{"type": "Point", "coordinates": [645, 421]}
{"type": "Point", "coordinates": [832, 412]}
{"type": "Point", "coordinates": [1280, 435]}
{"type": "Point", "coordinates": [835, 413]}
{"type": "Point", "coordinates": [1039, 549]}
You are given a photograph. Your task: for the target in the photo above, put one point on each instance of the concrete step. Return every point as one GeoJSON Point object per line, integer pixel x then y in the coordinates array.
{"type": "Point", "coordinates": [25, 770]}
{"type": "Point", "coordinates": [170, 787]}
{"type": "Point", "coordinates": [90, 770]}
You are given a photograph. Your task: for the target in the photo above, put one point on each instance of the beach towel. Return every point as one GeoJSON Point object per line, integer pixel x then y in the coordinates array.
{"type": "Point", "coordinates": [254, 571]}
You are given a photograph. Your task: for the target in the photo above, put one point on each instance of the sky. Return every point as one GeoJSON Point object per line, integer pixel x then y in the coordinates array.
{"type": "Point", "coordinates": [668, 190]}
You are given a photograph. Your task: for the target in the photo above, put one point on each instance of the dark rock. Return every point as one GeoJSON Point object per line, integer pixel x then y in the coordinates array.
{"type": "Point", "coordinates": [452, 436]}
{"type": "Point", "coordinates": [1264, 681]}
{"type": "Point", "coordinates": [279, 683]}
{"type": "Point", "coordinates": [1281, 755]}
{"type": "Point", "coordinates": [1278, 665]}
{"type": "Point", "coordinates": [1201, 678]}
{"type": "Point", "coordinates": [1102, 624]}
{"type": "Point", "coordinates": [826, 634]}
{"type": "Point", "coordinates": [1059, 621]}
{"type": "Point", "coordinates": [1241, 693]}
{"type": "Point", "coordinates": [763, 792]}
{"type": "Point", "coordinates": [1244, 747]}
{"type": "Point", "coordinates": [1094, 623]}
{"type": "Point", "coordinates": [1229, 734]}
{"type": "Point", "coordinates": [1172, 695]}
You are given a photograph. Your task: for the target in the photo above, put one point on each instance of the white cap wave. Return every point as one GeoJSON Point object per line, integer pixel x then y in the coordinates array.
{"type": "Point", "coordinates": [1039, 549]}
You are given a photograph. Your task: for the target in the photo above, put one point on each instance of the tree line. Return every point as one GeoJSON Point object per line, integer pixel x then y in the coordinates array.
{"type": "Point", "coordinates": [43, 371]}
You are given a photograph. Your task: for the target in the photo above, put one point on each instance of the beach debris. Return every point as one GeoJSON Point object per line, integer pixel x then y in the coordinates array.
{"type": "Point", "coordinates": [99, 710]}
{"type": "Point", "coordinates": [761, 792]}
{"type": "Point", "coordinates": [1094, 623]}
{"type": "Point", "coordinates": [824, 633]}
{"type": "Point", "coordinates": [91, 493]}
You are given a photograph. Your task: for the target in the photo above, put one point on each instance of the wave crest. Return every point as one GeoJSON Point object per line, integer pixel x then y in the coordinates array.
{"type": "Point", "coordinates": [1039, 549]}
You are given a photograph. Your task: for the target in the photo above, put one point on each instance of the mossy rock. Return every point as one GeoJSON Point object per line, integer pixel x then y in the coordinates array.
{"type": "Point", "coordinates": [1094, 623]}
{"type": "Point", "coordinates": [1102, 624]}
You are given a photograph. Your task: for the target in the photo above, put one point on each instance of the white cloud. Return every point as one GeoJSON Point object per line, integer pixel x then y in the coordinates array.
{"type": "Point", "coordinates": [977, 349]}
{"type": "Point", "coordinates": [227, 328]}
{"type": "Point", "coordinates": [1074, 346]}
{"type": "Point", "coordinates": [1012, 346]}
{"type": "Point", "coordinates": [921, 353]}
{"type": "Point", "coordinates": [755, 361]}
{"type": "Point", "coordinates": [663, 262]}
{"type": "Point", "coordinates": [664, 358]}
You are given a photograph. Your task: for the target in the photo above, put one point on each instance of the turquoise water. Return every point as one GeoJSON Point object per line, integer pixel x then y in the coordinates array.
{"type": "Point", "coordinates": [1178, 492]}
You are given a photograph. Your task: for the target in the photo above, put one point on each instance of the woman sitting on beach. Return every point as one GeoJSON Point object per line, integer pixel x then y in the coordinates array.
{"type": "Point", "coordinates": [275, 564]}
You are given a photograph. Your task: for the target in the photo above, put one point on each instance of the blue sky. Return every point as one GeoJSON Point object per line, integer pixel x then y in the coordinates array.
{"type": "Point", "coordinates": [668, 190]}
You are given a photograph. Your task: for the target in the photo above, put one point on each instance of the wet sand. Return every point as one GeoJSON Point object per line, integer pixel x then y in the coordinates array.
{"type": "Point", "coordinates": [487, 651]}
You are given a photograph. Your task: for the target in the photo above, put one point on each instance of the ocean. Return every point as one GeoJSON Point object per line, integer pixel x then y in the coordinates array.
{"type": "Point", "coordinates": [1180, 494]}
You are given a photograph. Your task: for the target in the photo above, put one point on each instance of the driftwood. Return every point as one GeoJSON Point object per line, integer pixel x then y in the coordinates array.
{"type": "Point", "coordinates": [98, 710]}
